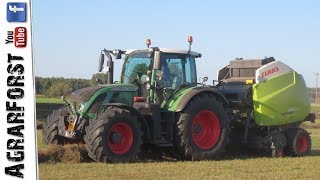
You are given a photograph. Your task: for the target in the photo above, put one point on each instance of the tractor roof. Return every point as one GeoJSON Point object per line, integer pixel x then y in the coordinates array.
{"type": "Point", "coordinates": [166, 50]}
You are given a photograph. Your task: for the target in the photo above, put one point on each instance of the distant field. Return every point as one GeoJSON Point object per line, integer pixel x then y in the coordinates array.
{"type": "Point", "coordinates": [51, 100]}
{"type": "Point", "coordinates": [315, 107]}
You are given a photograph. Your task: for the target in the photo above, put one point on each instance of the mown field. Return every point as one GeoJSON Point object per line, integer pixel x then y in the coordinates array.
{"type": "Point", "coordinates": [238, 166]}
{"type": "Point", "coordinates": [235, 167]}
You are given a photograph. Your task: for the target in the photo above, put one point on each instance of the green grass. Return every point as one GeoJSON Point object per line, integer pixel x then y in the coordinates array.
{"type": "Point", "coordinates": [233, 167]}
{"type": "Point", "coordinates": [39, 140]}
{"type": "Point", "coordinates": [52, 100]}
{"type": "Point", "coordinates": [284, 168]}
{"type": "Point", "coordinates": [237, 167]}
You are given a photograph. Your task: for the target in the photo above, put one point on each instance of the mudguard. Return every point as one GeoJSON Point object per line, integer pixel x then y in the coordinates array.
{"type": "Point", "coordinates": [178, 102]}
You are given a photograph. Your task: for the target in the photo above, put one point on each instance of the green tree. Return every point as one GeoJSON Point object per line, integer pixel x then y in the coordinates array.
{"type": "Point", "coordinates": [59, 89]}
{"type": "Point", "coordinates": [98, 78]}
{"type": "Point", "coordinates": [138, 71]}
{"type": "Point", "coordinates": [38, 85]}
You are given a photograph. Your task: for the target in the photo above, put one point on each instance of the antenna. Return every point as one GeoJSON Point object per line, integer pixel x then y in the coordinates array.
{"type": "Point", "coordinates": [190, 40]}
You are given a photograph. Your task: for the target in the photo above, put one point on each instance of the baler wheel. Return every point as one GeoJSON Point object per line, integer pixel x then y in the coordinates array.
{"type": "Point", "coordinates": [299, 142]}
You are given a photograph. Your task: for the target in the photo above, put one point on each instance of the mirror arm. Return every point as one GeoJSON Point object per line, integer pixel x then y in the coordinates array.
{"type": "Point", "coordinates": [110, 66]}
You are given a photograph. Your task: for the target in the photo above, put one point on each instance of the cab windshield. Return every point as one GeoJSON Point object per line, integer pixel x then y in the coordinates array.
{"type": "Point", "coordinates": [176, 69]}
{"type": "Point", "coordinates": [135, 65]}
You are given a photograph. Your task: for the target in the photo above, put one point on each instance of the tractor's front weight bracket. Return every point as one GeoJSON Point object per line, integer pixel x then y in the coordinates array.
{"type": "Point", "coordinates": [71, 109]}
{"type": "Point", "coordinates": [67, 126]}
{"type": "Point", "coordinates": [67, 123]}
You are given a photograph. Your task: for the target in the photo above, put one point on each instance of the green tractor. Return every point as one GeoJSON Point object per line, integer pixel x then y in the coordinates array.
{"type": "Point", "coordinates": [157, 104]}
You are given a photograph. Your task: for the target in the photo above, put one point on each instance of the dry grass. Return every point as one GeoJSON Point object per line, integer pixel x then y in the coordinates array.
{"type": "Point", "coordinates": [71, 153]}
{"type": "Point", "coordinates": [40, 124]}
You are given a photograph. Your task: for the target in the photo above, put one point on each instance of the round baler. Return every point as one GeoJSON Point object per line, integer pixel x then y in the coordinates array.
{"type": "Point", "coordinates": [269, 101]}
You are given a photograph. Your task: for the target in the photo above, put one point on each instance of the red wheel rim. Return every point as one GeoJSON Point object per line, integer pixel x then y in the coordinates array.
{"type": "Point", "coordinates": [302, 144]}
{"type": "Point", "coordinates": [205, 129]}
{"type": "Point", "coordinates": [120, 138]}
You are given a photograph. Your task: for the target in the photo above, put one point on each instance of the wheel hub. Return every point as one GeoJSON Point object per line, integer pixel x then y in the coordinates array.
{"type": "Point", "coordinates": [115, 138]}
{"type": "Point", "coordinates": [197, 128]}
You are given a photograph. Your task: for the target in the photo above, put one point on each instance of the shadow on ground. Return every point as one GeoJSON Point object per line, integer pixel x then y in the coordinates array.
{"type": "Point", "coordinates": [315, 152]}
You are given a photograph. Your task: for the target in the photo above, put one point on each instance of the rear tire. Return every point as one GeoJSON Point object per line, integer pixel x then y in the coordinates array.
{"type": "Point", "coordinates": [299, 142]}
{"type": "Point", "coordinates": [201, 132]}
{"type": "Point", "coordinates": [114, 136]}
{"type": "Point", "coordinates": [50, 129]}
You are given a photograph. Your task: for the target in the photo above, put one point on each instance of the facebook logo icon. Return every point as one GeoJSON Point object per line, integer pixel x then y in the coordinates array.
{"type": "Point", "coordinates": [16, 12]}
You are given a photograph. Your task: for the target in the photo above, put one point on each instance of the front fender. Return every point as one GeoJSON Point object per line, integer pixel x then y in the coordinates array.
{"type": "Point", "coordinates": [141, 119]}
{"type": "Point", "coordinates": [113, 93]}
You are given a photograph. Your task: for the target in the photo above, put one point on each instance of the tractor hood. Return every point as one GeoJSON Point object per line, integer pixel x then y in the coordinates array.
{"type": "Point", "coordinates": [84, 94]}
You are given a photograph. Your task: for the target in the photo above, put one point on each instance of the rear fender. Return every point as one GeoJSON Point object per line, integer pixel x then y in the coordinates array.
{"type": "Point", "coordinates": [182, 99]}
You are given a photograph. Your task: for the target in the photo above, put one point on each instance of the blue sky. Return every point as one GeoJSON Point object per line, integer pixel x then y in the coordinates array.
{"type": "Point", "coordinates": [68, 35]}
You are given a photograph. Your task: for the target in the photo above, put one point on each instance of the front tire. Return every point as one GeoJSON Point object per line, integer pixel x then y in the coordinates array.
{"type": "Point", "coordinates": [50, 129]}
{"type": "Point", "coordinates": [202, 129]}
{"type": "Point", "coordinates": [114, 136]}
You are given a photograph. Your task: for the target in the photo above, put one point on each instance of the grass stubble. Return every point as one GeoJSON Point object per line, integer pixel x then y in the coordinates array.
{"type": "Point", "coordinates": [70, 161]}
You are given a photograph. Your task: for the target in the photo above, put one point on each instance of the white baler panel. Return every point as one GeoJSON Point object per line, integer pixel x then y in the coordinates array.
{"type": "Point", "coordinates": [271, 70]}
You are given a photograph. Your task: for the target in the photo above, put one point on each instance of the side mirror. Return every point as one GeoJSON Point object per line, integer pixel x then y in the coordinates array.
{"type": "Point", "coordinates": [157, 60]}
{"type": "Point", "coordinates": [101, 62]}
{"type": "Point", "coordinates": [117, 53]}
{"type": "Point", "coordinates": [144, 78]}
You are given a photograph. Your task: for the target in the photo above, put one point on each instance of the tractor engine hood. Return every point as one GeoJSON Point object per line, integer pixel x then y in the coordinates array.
{"type": "Point", "coordinates": [84, 94]}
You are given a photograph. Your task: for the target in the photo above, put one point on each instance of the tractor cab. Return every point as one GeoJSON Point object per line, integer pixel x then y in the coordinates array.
{"type": "Point", "coordinates": [157, 72]}
{"type": "Point", "coordinates": [175, 67]}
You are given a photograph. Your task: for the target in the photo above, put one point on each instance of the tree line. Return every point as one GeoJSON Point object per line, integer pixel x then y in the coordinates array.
{"type": "Point", "coordinates": [58, 86]}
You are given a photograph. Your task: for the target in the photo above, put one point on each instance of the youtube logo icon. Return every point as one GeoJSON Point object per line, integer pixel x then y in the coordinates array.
{"type": "Point", "coordinates": [18, 37]}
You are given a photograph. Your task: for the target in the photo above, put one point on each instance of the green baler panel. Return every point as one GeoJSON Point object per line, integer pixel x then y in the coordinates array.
{"type": "Point", "coordinates": [281, 100]}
